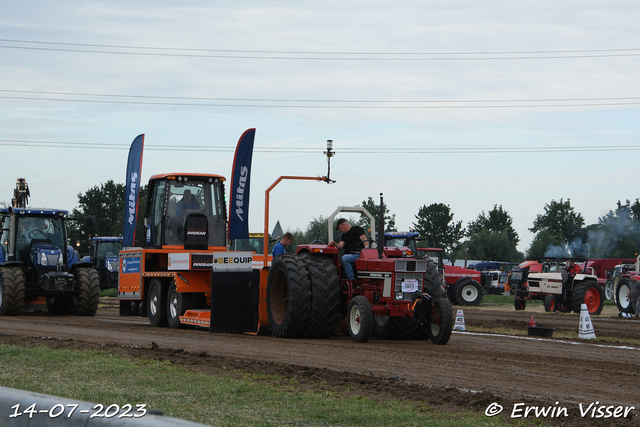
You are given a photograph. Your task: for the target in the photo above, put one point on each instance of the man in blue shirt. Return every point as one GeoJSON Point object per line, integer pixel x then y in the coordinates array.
{"type": "Point", "coordinates": [279, 248]}
{"type": "Point", "coordinates": [188, 202]}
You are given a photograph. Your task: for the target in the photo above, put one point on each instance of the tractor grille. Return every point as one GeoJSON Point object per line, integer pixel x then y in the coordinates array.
{"type": "Point", "coordinates": [401, 277]}
{"type": "Point", "coordinates": [52, 259]}
{"type": "Point", "coordinates": [417, 265]}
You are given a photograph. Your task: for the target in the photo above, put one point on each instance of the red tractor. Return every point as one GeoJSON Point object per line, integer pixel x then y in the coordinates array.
{"type": "Point", "coordinates": [391, 298]}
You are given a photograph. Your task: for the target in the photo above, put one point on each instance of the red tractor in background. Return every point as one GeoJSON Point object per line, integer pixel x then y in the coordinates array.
{"type": "Point", "coordinates": [605, 268]}
{"type": "Point", "coordinates": [463, 286]}
{"type": "Point", "coordinates": [392, 297]}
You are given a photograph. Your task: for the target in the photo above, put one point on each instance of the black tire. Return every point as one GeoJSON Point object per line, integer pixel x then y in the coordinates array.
{"type": "Point", "coordinates": [590, 293]}
{"type": "Point", "coordinates": [143, 308]}
{"type": "Point", "coordinates": [360, 319]}
{"type": "Point", "coordinates": [85, 303]}
{"type": "Point", "coordinates": [550, 304]}
{"type": "Point", "coordinates": [520, 304]}
{"type": "Point", "coordinates": [622, 300]}
{"type": "Point", "coordinates": [451, 293]}
{"type": "Point", "coordinates": [157, 304]}
{"type": "Point", "coordinates": [325, 296]}
{"type": "Point", "coordinates": [440, 319]}
{"type": "Point", "coordinates": [395, 328]}
{"type": "Point", "coordinates": [469, 292]}
{"type": "Point", "coordinates": [433, 281]}
{"type": "Point", "coordinates": [179, 302]}
{"type": "Point", "coordinates": [288, 297]}
{"type": "Point", "coordinates": [424, 328]}
{"type": "Point", "coordinates": [12, 291]}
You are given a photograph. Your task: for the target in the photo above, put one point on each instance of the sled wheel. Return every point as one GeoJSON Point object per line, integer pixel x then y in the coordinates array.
{"type": "Point", "coordinates": [360, 319]}
{"type": "Point", "coordinates": [520, 304]}
{"type": "Point", "coordinates": [179, 302]}
{"type": "Point", "coordinates": [157, 304]}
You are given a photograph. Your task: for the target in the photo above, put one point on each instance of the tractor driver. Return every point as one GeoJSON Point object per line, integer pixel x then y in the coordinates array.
{"type": "Point", "coordinates": [351, 240]}
{"type": "Point", "coordinates": [572, 268]}
{"type": "Point", "coordinates": [188, 202]}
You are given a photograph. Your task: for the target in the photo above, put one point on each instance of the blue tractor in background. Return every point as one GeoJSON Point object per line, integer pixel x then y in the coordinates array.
{"type": "Point", "coordinates": [105, 258]}
{"type": "Point", "coordinates": [37, 267]}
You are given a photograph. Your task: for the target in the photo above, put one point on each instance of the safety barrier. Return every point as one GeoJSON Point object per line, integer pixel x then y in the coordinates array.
{"type": "Point", "coordinates": [19, 408]}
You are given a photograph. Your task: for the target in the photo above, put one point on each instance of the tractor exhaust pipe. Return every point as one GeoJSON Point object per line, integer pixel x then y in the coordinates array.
{"type": "Point", "coordinates": [381, 229]}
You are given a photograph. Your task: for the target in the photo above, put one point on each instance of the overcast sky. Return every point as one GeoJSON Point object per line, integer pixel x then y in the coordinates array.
{"type": "Point", "coordinates": [471, 104]}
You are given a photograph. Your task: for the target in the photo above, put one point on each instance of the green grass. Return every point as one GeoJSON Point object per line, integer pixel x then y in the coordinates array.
{"type": "Point", "coordinates": [112, 292]}
{"type": "Point", "coordinates": [243, 400]}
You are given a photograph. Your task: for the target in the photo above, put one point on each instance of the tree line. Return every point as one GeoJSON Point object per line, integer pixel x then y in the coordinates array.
{"type": "Point", "coordinates": [559, 230]}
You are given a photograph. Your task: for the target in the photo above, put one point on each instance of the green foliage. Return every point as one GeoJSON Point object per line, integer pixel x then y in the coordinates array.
{"type": "Point", "coordinates": [541, 242]}
{"type": "Point", "coordinates": [317, 229]}
{"type": "Point", "coordinates": [560, 219]}
{"type": "Point", "coordinates": [562, 226]}
{"type": "Point", "coordinates": [492, 237]}
{"type": "Point", "coordinates": [490, 245]}
{"type": "Point", "coordinates": [106, 204]}
{"type": "Point", "coordinates": [498, 220]}
{"type": "Point", "coordinates": [374, 209]}
{"type": "Point", "coordinates": [437, 220]}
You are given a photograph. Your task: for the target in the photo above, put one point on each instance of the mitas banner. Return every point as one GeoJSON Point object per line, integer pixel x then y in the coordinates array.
{"type": "Point", "coordinates": [239, 192]}
{"type": "Point", "coordinates": [132, 190]}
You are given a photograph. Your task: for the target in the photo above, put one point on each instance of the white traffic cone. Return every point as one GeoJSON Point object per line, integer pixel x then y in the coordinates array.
{"type": "Point", "coordinates": [459, 326]}
{"type": "Point", "coordinates": [586, 326]}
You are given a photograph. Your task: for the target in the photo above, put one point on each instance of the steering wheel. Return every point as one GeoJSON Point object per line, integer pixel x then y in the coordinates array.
{"type": "Point", "coordinates": [317, 242]}
{"type": "Point", "coordinates": [361, 242]}
{"type": "Point", "coordinates": [33, 233]}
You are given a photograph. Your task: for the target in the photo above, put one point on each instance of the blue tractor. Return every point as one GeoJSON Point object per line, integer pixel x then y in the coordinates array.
{"type": "Point", "coordinates": [105, 258]}
{"type": "Point", "coordinates": [38, 267]}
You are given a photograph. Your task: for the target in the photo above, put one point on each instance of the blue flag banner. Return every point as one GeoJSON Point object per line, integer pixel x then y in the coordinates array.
{"type": "Point", "coordinates": [239, 192]}
{"type": "Point", "coordinates": [132, 190]}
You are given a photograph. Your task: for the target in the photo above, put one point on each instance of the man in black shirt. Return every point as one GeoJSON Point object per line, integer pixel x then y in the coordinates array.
{"type": "Point", "coordinates": [351, 239]}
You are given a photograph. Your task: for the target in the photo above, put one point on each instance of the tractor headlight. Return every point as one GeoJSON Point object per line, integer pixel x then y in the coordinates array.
{"type": "Point", "coordinates": [43, 259]}
{"type": "Point", "coordinates": [399, 296]}
{"type": "Point", "coordinates": [109, 266]}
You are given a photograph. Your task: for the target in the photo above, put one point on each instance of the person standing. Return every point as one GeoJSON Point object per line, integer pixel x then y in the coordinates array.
{"type": "Point", "coordinates": [280, 247]}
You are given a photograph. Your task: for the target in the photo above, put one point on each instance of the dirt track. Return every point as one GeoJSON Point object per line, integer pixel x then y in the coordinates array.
{"type": "Point", "coordinates": [505, 369]}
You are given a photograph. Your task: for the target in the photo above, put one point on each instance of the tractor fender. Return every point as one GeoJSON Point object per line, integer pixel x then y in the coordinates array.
{"type": "Point", "coordinates": [465, 278]}
{"type": "Point", "coordinates": [12, 264]}
{"type": "Point", "coordinates": [77, 265]}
